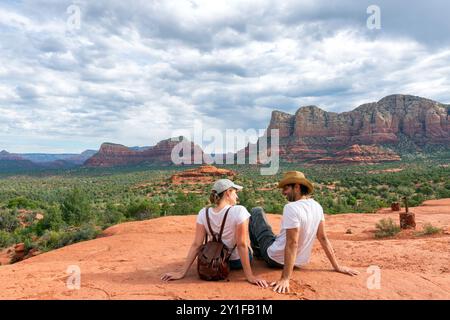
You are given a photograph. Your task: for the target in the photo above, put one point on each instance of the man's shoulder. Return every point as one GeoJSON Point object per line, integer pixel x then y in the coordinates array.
{"type": "Point", "coordinates": [291, 207]}
{"type": "Point", "coordinates": [301, 205]}
{"type": "Point", "coordinates": [316, 203]}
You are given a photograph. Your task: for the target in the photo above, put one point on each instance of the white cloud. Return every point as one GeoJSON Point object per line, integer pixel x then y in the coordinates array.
{"type": "Point", "coordinates": [136, 71]}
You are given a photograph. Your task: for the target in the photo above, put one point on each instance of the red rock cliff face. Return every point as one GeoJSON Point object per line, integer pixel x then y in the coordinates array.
{"type": "Point", "coordinates": [312, 132]}
{"type": "Point", "coordinates": [360, 154]}
{"type": "Point", "coordinates": [111, 154]}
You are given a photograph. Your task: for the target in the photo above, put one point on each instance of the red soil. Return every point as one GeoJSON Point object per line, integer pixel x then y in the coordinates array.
{"type": "Point", "coordinates": [126, 263]}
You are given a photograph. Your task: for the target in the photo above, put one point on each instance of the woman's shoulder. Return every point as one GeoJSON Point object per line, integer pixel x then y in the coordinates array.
{"type": "Point", "coordinates": [202, 211]}
{"type": "Point", "coordinates": [238, 209]}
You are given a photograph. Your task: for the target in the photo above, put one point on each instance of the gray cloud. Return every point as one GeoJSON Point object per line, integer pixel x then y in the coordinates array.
{"type": "Point", "coordinates": [135, 71]}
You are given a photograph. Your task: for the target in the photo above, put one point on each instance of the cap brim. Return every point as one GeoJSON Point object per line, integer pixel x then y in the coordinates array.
{"type": "Point", "coordinates": [238, 187]}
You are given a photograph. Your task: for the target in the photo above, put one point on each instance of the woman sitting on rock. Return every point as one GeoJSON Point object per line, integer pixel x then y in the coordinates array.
{"type": "Point", "coordinates": [234, 236]}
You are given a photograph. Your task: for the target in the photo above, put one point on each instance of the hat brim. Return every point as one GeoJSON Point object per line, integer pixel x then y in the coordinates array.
{"type": "Point", "coordinates": [296, 180]}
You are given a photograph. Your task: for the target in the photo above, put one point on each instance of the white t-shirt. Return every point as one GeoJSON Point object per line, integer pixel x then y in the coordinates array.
{"type": "Point", "coordinates": [305, 214]}
{"type": "Point", "coordinates": [236, 216]}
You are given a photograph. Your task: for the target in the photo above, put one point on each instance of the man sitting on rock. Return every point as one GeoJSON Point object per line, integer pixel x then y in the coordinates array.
{"type": "Point", "coordinates": [302, 221]}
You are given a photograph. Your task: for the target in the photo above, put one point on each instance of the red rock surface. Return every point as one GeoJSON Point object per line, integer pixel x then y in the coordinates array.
{"type": "Point", "coordinates": [202, 175]}
{"type": "Point", "coordinates": [115, 267]}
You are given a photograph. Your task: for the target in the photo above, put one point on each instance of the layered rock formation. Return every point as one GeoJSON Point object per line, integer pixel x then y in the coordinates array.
{"type": "Point", "coordinates": [111, 154]}
{"type": "Point", "coordinates": [202, 175]}
{"type": "Point", "coordinates": [313, 134]}
{"type": "Point", "coordinates": [360, 154]}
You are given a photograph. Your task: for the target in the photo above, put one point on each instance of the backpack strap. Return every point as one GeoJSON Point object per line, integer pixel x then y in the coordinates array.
{"type": "Point", "coordinates": [209, 226]}
{"type": "Point", "coordinates": [223, 224]}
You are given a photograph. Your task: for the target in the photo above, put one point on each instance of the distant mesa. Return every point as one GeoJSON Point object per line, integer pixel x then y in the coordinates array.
{"type": "Point", "coordinates": [111, 154]}
{"type": "Point", "coordinates": [202, 175]}
{"type": "Point", "coordinates": [5, 155]}
{"type": "Point", "coordinates": [40, 161]}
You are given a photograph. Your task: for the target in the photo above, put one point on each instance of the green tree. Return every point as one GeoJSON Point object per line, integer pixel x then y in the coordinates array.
{"type": "Point", "coordinates": [76, 208]}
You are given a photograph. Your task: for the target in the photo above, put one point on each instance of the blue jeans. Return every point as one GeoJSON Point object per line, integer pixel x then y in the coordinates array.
{"type": "Point", "coordinates": [237, 264]}
{"type": "Point", "coordinates": [261, 236]}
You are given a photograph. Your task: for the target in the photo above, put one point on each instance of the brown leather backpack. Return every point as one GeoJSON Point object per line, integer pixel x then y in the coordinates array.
{"type": "Point", "coordinates": [213, 257]}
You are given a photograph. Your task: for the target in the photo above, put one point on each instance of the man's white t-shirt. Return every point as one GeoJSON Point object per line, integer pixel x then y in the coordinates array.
{"type": "Point", "coordinates": [305, 214]}
{"type": "Point", "coordinates": [236, 216]}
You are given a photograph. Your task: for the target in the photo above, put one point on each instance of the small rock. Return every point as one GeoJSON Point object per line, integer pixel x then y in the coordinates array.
{"type": "Point", "coordinates": [39, 216]}
{"type": "Point", "coordinates": [32, 253]}
{"type": "Point", "coordinates": [395, 206]}
{"type": "Point", "coordinates": [20, 247]}
{"type": "Point", "coordinates": [407, 220]}
{"type": "Point", "coordinates": [349, 231]}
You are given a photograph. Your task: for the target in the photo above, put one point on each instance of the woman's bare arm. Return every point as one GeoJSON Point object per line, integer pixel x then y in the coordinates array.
{"type": "Point", "coordinates": [200, 233]}
{"type": "Point", "coordinates": [242, 247]}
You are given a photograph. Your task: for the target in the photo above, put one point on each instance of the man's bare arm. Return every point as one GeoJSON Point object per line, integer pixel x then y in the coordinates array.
{"type": "Point", "coordinates": [326, 245]}
{"type": "Point", "coordinates": [290, 253]}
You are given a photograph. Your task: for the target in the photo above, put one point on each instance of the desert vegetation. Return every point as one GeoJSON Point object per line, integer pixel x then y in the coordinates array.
{"type": "Point", "coordinates": [48, 210]}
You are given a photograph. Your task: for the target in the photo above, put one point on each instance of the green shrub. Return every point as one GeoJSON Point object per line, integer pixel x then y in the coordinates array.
{"type": "Point", "coordinates": [425, 189]}
{"type": "Point", "coordinates": [142, 208]}
{"type": "Point", "coordinates": [57, 239]}
{"type": "Point", "coordinates": [86, 232]}
{"type": "Point", "coordinates": [76, 208]}
{"type": "Point", "coordinates": [112, 215]}
{"type": "Point", "coordinates": [8, 220]}
{"type": "Point", "coordinates": [429, 229]}
{"type": "Point", "coordinates": [22, 203]}
{"type": "Point", "coordinates": [386, 228]}
{"type": "Point", "coordinates": [53, 220]}
{"type": "Point", "coordinates": [187, 204]}
{"type": "Point", "coordinates": [247, 199]}
{"type": "Point", "coordinates": [6, 239]}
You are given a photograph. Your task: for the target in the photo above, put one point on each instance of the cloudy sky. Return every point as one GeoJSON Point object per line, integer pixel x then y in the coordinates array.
{"type": "Point", "coordinates": [132, 72]}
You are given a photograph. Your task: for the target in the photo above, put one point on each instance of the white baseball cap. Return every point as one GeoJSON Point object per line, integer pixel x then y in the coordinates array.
{"type": "Point", "coordinates": [224, 184]}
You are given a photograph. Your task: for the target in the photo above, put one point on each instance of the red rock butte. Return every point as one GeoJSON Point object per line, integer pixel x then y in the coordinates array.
{"type": "Point", "coordinates": [202, 175]}
{"type": "Point", "coordinates": [128, 260]}
{"type": "Point", "coordinates": [315, 134]}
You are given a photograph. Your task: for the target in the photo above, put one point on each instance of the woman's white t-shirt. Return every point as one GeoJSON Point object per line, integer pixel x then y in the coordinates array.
{"type": "Point", "coordinates": [236, 216]}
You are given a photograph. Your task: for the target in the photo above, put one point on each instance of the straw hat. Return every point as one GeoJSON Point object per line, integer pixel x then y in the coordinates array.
{"type": "Point", "coordinates": [291, 177]}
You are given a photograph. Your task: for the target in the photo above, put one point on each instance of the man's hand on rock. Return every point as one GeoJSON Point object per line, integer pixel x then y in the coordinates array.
{"type": "Point", "coordinates": [281, 286]}
{"type": "Point", "coordinates": [348, 271]}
